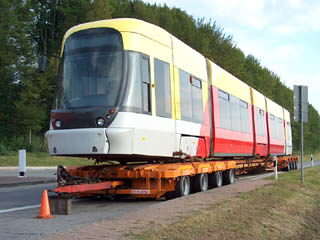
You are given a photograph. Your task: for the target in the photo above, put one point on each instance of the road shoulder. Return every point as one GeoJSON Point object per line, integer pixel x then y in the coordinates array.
{"type": "Point", "coordinates": [163, 213]}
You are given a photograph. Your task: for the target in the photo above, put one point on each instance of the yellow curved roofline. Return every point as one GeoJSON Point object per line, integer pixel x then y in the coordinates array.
{"type": "Point", "coordinates": [146, 29]}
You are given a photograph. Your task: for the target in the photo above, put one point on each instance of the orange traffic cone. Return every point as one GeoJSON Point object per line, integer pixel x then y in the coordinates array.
{"type": "Point", "coordinates": [45, 207]}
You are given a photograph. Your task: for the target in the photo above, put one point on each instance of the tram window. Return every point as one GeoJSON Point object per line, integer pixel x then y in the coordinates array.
{"type": "Point", "coordinates": [224, 105]}
{"type": "Point", "coordinates": [244, 113]}
{"type": "Point", "coordinates": [243, 104]}
{"type": "Point", "coordinates": [223, 95]}
{"type": "Point", "coordinates": [145, 74]}
{"type": "Point", "coordinates": [271, 117]}
{"type": "Point", "coordinates": [280, 128]}
{"type": "Point", "coordinates": [276, 127]}
{"type": "Point", "coordinates": [190, 97]}
{"type": "Point", "coordinates": [197, 107]}
{"type": "Point", "coordinates": [288, 130]}
{"type": "Point", "coordinates": [235, 114]}
{"type": "Point", "coordinates": [260, 125]}
{"type": "Point", "coordinates": [133, 99]}
{"type": "Point", "coordinates": [271, 126]}
{"type": "Point", "coordinates": [163, 89]}
{"type": "Point", "coordinates": [185, 96]}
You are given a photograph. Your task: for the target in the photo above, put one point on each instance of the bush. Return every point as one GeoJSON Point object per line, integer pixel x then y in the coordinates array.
{"type": "Point", "coordinates": [8, 146]}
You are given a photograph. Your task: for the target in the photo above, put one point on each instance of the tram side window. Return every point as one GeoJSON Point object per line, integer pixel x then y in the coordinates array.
{"type": "Point", "coordinates": [224, 105]}
{"type": "Point", "coordinates": [261, 131]}
{"type": "Point", "coordinates": [145, 74]}
{"type": "Point", "coordinates": [244, 113]}
{"type": "Point", "coordinates": [197, 105]}
{"type": "Point", "coordinates": [235, 114]}
{"type": "Point", "coordinates": [190, 97]}
{"type": "Point", "coordinates": [185, 96]}
{"type": "Point", "coordinates": [280, 128]}
{"type": "Point", "coordinates": [163, 89]}
{"type": "Point", "coordinates": [288, 129]}
{"type": "Point", "coordinates": [276, 124]}
{"type": "Point", "coordinates": [273, 126]}
{"type": "Point", "coordinates": [133, 101]}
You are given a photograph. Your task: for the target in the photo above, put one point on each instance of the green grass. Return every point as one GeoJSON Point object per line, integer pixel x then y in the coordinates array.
{"type": "Point", "coordinates": [306, 157]}
{"type": "Point", "coordinates": [43, 159]}
{"type": "Point", "coordinates": [283, 210]}
{"type": "Point", "coordinates": [315, 156]}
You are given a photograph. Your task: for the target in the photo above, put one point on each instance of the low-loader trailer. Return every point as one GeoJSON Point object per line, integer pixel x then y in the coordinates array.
{"type": "Point", "coordinates": [169, 180]}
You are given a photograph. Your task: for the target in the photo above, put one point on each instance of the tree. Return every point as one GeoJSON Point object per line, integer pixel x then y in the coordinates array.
{"type": "Point", "coordinates": [99, 10]}
{"type": "Point", "coordinates": [16, 57]}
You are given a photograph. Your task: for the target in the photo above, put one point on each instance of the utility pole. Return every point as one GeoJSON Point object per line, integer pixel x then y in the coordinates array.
{"type": "Point", "coordinates": [302, 170]}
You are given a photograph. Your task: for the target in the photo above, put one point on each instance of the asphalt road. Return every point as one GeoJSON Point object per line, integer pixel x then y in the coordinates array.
{"type": "Point", "coordinates": [308, 163]}
{"type": "Point", "coordinates": [19, 207]}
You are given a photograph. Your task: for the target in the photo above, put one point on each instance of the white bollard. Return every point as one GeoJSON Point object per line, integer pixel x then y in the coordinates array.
{"type": "Point", "coordinates": [311, 158]}
{"type": "Point", "coordinates": [22, 163]}
{"type": "Point", "coordinates": [275, 159]}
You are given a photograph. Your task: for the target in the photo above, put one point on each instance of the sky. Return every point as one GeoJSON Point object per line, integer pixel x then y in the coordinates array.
{"type": "Point", "coordinates": [283, 34]}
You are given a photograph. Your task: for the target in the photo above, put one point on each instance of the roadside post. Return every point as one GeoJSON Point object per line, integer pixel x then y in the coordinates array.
{"type": "Point", "coordinates": [275, 160]}
{"type": "Point", "coordinates": [22, 163]}
{"type": "Point", "coordinates": [300, 99]}
{"type": "Point", "coordinates": [311, 159]}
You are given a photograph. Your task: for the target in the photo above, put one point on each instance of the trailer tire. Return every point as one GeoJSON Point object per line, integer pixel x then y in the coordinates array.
{"type": "Point", "coordinates": [182, 186]}
{"type": "Point", "coordinates": [289, 167]}
{"type": "Point", "coordinates": [200, 182]}
{"type": "Point", "coordinates": [228, 176]}
{"type": "Point", "coordinates": [215, 179]}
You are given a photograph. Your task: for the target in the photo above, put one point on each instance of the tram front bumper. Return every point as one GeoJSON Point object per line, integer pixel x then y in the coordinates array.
{"type": "Point", "coordinates": [86, 141]}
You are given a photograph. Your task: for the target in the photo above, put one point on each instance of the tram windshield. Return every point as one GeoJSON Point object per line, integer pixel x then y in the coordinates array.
{"type": "Point", "coordinates": [91, 68]}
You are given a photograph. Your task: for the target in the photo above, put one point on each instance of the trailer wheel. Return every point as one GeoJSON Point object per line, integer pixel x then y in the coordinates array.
{"type": "Point", "coordinates": [228, 176]}
{"type": "Point", "coordinates": [289, 167]}
{"type": "Point", "coordinates": [200, 182]}
{"type": "Point", "coordinates": [215, 179]}
{"type": "Point", "coordinates": [182, 186]}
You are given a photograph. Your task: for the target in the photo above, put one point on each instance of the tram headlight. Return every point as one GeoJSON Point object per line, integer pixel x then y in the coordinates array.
{"type": "Point", "coordinates": [100, 121]}
{"type": "Point", "coordinates": [57, 124]}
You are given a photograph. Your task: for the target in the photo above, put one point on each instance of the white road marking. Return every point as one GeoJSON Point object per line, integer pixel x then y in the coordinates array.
{"type": "Point", "coordinates": [19, 208]}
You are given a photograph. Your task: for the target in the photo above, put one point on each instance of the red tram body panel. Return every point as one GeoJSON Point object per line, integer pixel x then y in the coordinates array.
{"type": "Point", "coordinates": [253, 128]}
